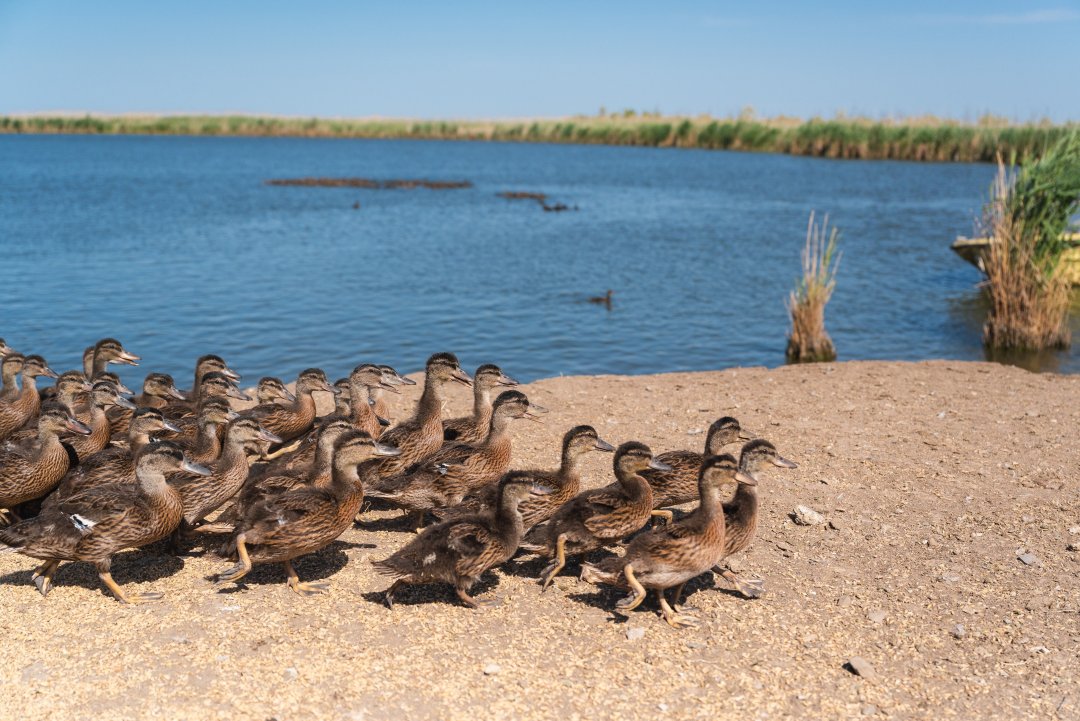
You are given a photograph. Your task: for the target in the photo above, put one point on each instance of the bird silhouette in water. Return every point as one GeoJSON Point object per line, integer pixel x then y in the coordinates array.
{"type": "Point", "coordinates": [604, 300]}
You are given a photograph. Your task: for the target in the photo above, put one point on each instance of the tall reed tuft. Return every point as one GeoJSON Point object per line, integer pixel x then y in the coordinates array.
{"type": "Point", "coordinates": [1028, 214]}
{"type": "Point", "coordinates": [808, 341]}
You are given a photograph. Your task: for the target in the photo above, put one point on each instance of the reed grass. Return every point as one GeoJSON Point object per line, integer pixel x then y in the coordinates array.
{"type": "Point", "coordinates": [1029, 211]}
{"type": "Point", "coordinates": [808, 341]}
{"type": "Point", "coordinates": [928, 139]}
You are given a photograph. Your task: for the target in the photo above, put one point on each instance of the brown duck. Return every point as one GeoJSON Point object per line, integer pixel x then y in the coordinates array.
{"type": "Point", "coordinates": [445, 477]}
{"type": "Point", "coordinates": [69, 389]}
{"type": "Point", "coordinates": [209, 363]}
{"type": "Point", "coordinates": [563, 482]}
{"type": "Point", "coordinates": [293, 420]}
{"type": "Point", "coordinates": [669, 556]}
{"type": "Point", "coordinates": [107, 350]}
{"type": "Point", "coordinates": [422, 435]}
{"type": "Point", "coordinates": [272, 390]}
{"type": "Point", "coordinates": [473, 429]}
{"type": "Point", "coordinates": [458, 552]}
{"type": "Point", "coordinates": [157, 390]}
{"type": "Point", "coordinates": [305, 519]}
{"type": "Point", "coordinates": [94, 525]}
{"type": "Point", "coordinates": [103, 396]}
{"type": "Point", "coordinates": [33, 469]}
{"type": "Point", "coordinates": [15, 413]}
{"type": "Point", "coordinates": [10, 367]}
{"type": "Point", "coordinates": [205, 446]}
{"type": "Point", "coordinates": [603, 516]}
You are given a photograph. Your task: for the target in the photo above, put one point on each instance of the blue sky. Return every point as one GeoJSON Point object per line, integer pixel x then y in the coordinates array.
{"type": "Point", "coordinates": [482, 60]}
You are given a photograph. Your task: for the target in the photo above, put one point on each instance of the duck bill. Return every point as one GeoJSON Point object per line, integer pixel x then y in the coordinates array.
{"type": "Point", "coordinates": [462, 377]}
{"type": "Point", "coordinates": [237, 394]}
{"type": "Point", "coordinates": [76, 426]}
{"type": "Point", "coordinates": [49, 372]}
{"type": "Point", "coordinates": [534, 411]}
{"type": "Point", "coordinates": [288, 395]}
{"type": "Point", "coordinates": [602, 445]}
{"type": "Point", "coordinates": [330, 389]}
{"type": "Point", "coordinates": [268, 436]}
{"type": "Point", "coordinates": [382, 421]}
{"type": "Point", "coordinates": [231, 415]}
{"type": "Point", "coordinates": [659, 465]}
{"type": "Point", "coordinates": [745, 478]}
{"type": "Point", "coordinates": [231, 374]}
{"type": "Point", "coordinates": [505, 380]}
{"type": "Point", "coordinates": [124, 403]}
{"type": "Point", "coordinates": [381, 449]}
{"type": "Point", "coordinates": [782, 462]}
{"type": "Point", "coordinates": [402, 380]}
{"type": "Point", "coordinates": [123, 389]}
{"type": "Point", "coordinates": [745, 435]}
{"type": "Point", "coordinates": [388, 386]}
{"type": "Point", "coordinates": [171, 427]}
{"type": "Point", "coordinates": [126, 359]}
{"type": "Point", "coordinates": [172, 392]}
{"type": "Point", "coordinates": [537, 490]}
{"type": "Point", "coordinates": [196, 468]}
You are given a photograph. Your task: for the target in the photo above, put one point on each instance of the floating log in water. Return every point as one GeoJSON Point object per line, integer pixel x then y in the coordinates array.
{"type": "Point", "coordinates": [540, 198]}
{"type": "Point", "coordinates": [373, 184]}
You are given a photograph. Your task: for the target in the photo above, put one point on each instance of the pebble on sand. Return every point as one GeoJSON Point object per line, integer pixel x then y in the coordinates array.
{"type": "Point", "coordinates": [1029, 559]}
{"type": "Point", "coordinates": [806, 516]}
{"type": "Point", "coordinates": [958, 631]}
{"type": "Point", "coordinates": [861, 667]}
{"type": "Point", "coordinates": [635, 633]}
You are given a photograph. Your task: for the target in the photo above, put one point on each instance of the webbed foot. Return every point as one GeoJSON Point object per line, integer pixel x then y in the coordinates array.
{"type": "Point", "coordinates": [315, 588]}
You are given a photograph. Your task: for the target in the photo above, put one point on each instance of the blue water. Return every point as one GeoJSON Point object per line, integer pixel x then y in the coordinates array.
{"type": "Point", "coordinates": [177, 247]}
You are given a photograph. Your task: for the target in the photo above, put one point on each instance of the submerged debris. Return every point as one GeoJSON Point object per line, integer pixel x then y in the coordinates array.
{"type": "Point", "coordinates": [372, 184]}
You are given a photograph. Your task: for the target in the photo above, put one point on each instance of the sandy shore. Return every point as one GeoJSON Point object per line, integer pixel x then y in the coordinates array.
{"type": "Point", "coordinates": [935, 478]}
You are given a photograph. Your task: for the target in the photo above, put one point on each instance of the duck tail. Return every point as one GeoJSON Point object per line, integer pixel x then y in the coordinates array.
{"type": "Point", "coordinates": [387, 567]}
{"type": "Point", "coordinates": [605, 572]}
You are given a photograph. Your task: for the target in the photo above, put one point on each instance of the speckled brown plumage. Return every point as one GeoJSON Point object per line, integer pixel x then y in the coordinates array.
{"type": "Point", "coordinates": [10, 367]}
{"type": "Point", "coordinates": [158, 389]}
{"type": "Point", "coordinates": [102, 397]}
{"type": "Point", "coordinates": [473, 428]}
{"type": "Point", "coordinates": [295, 419]}
{"type": "Point", "coordinates": [680, 484]}
{"type": "Point", "coordinates": [33, 469]}
{"type": "Point", "coordinates": [15, 413]}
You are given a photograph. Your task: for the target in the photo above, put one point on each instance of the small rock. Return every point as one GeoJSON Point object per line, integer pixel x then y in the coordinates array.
{"type": "Point", "coordinates": [635, 633]}
{"type": "Point", "coordinates": [1026, 518]}
{"type": "Point", "coordinates": [806, 516]}
{"type": "Point", "coordinates": [958, 631]}
{"type": "Point", "coordinates": [663, 707]}
{"type": "Point", "coordinates": [695, 432]}
{"type": "Point", "coordinates": [695, 644]}
{"type": "Point", "coordinates": [1074, 530]}
{"type": "Point", "coordinates": [736, 563]}
{"type": "Point", "coordinates": [876, 616]}
{"type": "Point", "coordinates": [491, 669]}
{"type": "Point", "coordinates": [950, 577]}
{"type": "Point", "coordinates": [290, 674]}
{"type": "Point", "coordinates": [1040, 649]}
{"type": "Point", "coordinates": [869, 709]}
{"type": "Point", "coordinates": [1029, 559]}
{"type": "Point", "coordinates": [845, 601]}
{"type": "Point", "coordinates": [861, 667]}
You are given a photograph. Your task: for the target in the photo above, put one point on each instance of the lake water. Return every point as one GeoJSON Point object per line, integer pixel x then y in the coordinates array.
{"type": "Point", "coordinates": [177, 247]}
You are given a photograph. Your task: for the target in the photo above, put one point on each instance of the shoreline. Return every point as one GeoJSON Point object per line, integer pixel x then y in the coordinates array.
{"type": "Point", "coordinates": [934, 478]}
{"type": "Point", "coordinates": [914, 139]}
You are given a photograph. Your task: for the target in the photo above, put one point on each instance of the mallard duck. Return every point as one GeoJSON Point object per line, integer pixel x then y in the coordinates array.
{"type": "Point", "coordinates": [296, 419]}
{"type": "Point", "coordinates": [422, 435]}
{"type": "Point", "coordinates": [271, 390]}
{"type": "Point", "coordinates": [213, 385]}
{"type": "Point", "coordinates": [209, 363]}
{"type": "Point", "coordinates": [313, 456]}
{"type": "Point", "coordinates": [564, 482]}
{"type": "Point", "coordinates": [603, 516]}
{"type": "Point", "coordinates": [16, 412]}
{"type": "Point", "coordinates": [205, 445]}
{"type": "Point", "coordinates": [741, 513]}
{"type": "Point", "coordinates": [342, 404]}
{"type": "Point", "coordinates": [157, 390]}
{"type": "Point", "coordinates": [5, 349]}
{"type": "Point", "coordinates": [305, 519]}
{"type": "Point", "coordinates": [473, 429]}
{"type": "Point", "coordinates": [67, 391]}
{"type": "Point", "coordinates": [458, 552]}
{"type": "Point", "coordinates": [203, 495]}
{"type": "Point", "coordinates": [680, 484]}
{"type": "Point", "coordinates": [10, 367]}
{"type": "Point", "coordinates": [32, 470]}
{"type": "Point", "coordinates": [103, 395]}
{"type": "Point", "coordinates": [445, 477]}
{"type": "Point", "coordinates": [115, 464]}
{"type": "Point", "coordinates": [94, 525]}
{"type": "Point", "coordinates": [104, 352]}
{"type": "Point", "coordinates": [605, 299]}
{"type": "Point", "coordinates": [378, 402]}
{"type": "Point", "coordinates": [363, 380]}
{"type": "Point", "coordinates": [669, 556]}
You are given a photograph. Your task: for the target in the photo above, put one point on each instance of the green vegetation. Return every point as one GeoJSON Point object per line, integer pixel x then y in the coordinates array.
{"type": "Point", "coordinates": [1028, 214]}
{"type": "Point", "coordinates": [904, 139]}
{"type": "Point", "coordinates": [808, 342]}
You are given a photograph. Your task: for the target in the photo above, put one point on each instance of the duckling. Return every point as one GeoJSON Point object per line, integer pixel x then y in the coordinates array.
{"type": "Point", "coordinates": [604, 300]}
{"type": "Point", "coordinates": [603, 516]}
{"type": "Point", "coordinates": [203, 495]}
{"type": "Point", "coordinates": [157, 390]}
{"type": "Point", "coordinates": [10, 367]}
{"type": "Point", "coordinates": [564, 482]}
{"type": "Point", "coordinates": [69, 387]}
{"type": "Point", "coordinates": [104, 395]}
{"type": "Point", "coordinates": [205, 446]}
{"type": "Point", "coordinates": [669, 556]}
{"type": "Point", "coordinates": [32, 470]}
{"type": "Point", "coordinates": [288, 422]}
{"type": "Point", "coordinates": [342, 404]}
{"type": "Point", "coordinates": [214, 384]}
{"type": "Point", "coordinates": [741, 513]}
{"type": "Point", "coordinates": [270, 390]}
{"type": "Point", "coordinates": [5, 349]}
{"type": "Point", "coordinates": [209, 364]}
{"type": "Point", "coordinates": [94, 525]}
{"type": "Point", "coordinates": [458, 552]}
{"type": "Point", "coordinates": [15, 413]}
{"type": "Point", "coordinates": [115, 464]}
{"type": "Point", "coordinates": [363, 381]}
{"type": "Point", "coordinates": [680, 484]}
{"type": "Point", "coordinates": [473, 429]}
{"type": "Point", "coordinates": [445, 477]}
{"type": "Point", "coordinates": [104, 352]}
{"type": "Point", "coordinates": [305, 519]}
{"type": "Point", "coordinates": [313, 456]}
{"type": "Point", "coordinates": [422, 435]}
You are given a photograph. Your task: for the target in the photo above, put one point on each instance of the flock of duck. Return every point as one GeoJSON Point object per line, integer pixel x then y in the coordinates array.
{"type": "Point", "coordinates": [86, 471]}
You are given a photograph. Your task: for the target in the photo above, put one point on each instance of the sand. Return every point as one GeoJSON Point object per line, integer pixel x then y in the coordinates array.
{"type": "Point", "coordinates": [935, 478]}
